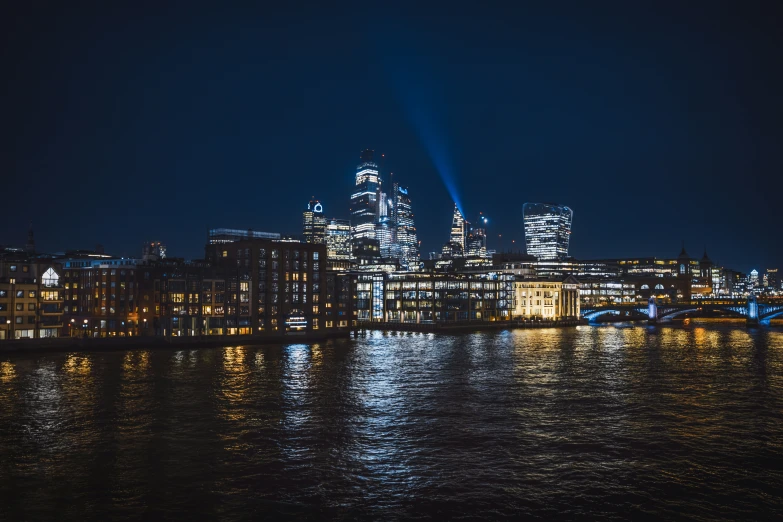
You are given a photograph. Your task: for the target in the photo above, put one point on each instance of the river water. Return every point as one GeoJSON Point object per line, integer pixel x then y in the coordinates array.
{"type": "Point", "coordinates": [614, 422]}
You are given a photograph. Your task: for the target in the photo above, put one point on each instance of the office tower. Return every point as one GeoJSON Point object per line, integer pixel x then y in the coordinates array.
{"type": "Point", "coordinates": [457, 236]}
{"type": "Point", "coordinates": [753, 279]}
{"type": "Point", "coordinates": [385, 234]}
{"type": "Point", "coordinates": [385, 229]}
{"type": "Point", "coordinates": [476, 242]}
{"type": "Point", "coordinates": [364, 200]}
{"type": "Point", "coordinates": [771, 279]}
{"type": "Point", "coordinates": [547, 230]}
{"type": "Point", "coordinates": [406, 239]}
{"type": "Point", "coordinates": [338, 239]}
{"type": "Point", "coordinates": [314, 223]}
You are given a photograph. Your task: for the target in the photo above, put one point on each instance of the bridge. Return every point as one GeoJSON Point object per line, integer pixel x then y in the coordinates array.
{"type": "Point", "coordinates": [755, 313]}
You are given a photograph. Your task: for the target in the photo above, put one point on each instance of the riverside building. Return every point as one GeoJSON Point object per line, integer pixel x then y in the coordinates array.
{"type": "Point", "coordinates": [546, 299]}
{"type": "Point", "coordinates": [31, 295]}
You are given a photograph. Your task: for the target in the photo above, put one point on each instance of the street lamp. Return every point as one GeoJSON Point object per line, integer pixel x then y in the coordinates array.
{"type": "Point", "coordinates": [8, 329]}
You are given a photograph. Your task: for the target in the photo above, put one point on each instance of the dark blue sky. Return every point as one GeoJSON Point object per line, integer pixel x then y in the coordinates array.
{"type": "Point", "coordinates": [655, 124]}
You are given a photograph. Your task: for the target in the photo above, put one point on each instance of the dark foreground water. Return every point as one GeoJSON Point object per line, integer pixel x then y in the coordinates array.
{"type": "Point", "coordinates": [614, 422]}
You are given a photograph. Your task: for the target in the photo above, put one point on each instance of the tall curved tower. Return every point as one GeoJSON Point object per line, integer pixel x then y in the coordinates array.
{"type": "Point", "coordinates": [364, 199]}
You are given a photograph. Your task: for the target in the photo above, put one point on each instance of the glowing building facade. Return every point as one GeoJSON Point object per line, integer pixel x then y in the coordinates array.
{"type": "Point", "coordinates": [314, 223]}
{"type": "Point", "coordinates": [476, 240]}
{"type": "Point", "coordinates": [407, 241]}
{"type": "Point", "coordinates": [364, 200]}
{"type": "Point", "coordinates": [338, 239]}
{"type": "Point", "coordinates": [457, 237]}
{"type": "Point", "coordinates": [753, 280]}
{"type": "Point", "coordinates": [547, 230]}
{"type": "Point", "coordinates": [385, 233]}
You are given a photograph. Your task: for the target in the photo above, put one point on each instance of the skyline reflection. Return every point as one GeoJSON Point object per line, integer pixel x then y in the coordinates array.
{"type": "Point", "coordinates": [393, 426]}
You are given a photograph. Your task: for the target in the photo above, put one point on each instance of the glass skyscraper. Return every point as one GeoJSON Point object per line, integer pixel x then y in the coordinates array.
{"type": "Point", "coordinates": [547, 230]}
{"type": "Point", "coordinates": [338, 239]}
{"type": "Point", "coordinates": [402, 215]}
{"type": "Point", "coordinates": [314, 223]}
{"type": "Point", "coordinates": [457, 236]}
{"type": "Point", "coordinates": [364, 200]}
{"type": "Point", "coordinates": [384, 218]}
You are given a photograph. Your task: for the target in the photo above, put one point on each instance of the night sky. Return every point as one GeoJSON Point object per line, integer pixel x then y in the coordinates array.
{"type": "Point", "coordinates": [656, 124]}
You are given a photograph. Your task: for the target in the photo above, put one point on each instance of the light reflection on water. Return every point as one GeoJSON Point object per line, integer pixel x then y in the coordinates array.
{"type": "Point", "coordinates": [629, 421]}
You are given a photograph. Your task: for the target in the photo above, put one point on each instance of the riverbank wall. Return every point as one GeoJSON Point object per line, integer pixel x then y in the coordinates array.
{"type": "Point", "coordinates": [466, 326]}
{"type": "Point", "coordinates": [88, 344]}
{"type": "Point", "coordinates": [69, 344]}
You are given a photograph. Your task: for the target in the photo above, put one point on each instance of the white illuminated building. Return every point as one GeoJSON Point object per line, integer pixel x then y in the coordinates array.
{"type": "Point", "coordinates": [364, 200]}
{"type": "Point", "coordinates": [407, 240]}
{"type": "Point", "coordinates": [338, 239]}
{"type": "Point", "coordinates": [457, 236]}
{"type": "Point", "coordinates": [547, 230]}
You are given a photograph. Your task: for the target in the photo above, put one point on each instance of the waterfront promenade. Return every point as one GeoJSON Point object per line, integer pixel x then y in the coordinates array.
{"type": "Point", "coordinates": [466, 326]}
{"type": "Point", "coordinates": [146, 342]}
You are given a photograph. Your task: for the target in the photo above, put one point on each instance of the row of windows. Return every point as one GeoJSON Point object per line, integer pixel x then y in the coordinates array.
{"type": "Point", "coordinates": [19, 294]}
{"type": "Point", "coordinates": [17, 320]}
{"type": "Point", "coordinates": [19, 307]}
{"type": "Point", "coordinates": [274, 253]}
{"type": "Point", "coordinates": [113, 271]}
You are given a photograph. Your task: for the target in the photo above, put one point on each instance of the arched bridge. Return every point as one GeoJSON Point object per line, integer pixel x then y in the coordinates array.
{"type": "Point", "coordinates": [754, 312]}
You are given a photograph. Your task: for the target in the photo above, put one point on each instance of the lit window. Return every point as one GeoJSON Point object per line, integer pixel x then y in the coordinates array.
{"type": "Point", "coordinates": [50, 278]}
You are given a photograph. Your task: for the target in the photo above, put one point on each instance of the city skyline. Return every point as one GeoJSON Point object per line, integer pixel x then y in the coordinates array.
{"type": "Point", "coordinates": [649, 144]}
{"type": "Point", "coordinates": [409, 261]}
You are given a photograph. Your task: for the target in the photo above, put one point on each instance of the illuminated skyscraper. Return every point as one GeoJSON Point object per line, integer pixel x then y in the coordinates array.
{"type": "Point", "coordinates": [338, 239]}
{"type": "Point", "coordinates": [385, 230]}
{"type": "Point", "coordinates": [314, 223]}
{"type": "Point", "coordinates": [364, 200]}
{"type": "Point", "coordinates": [457, 236]}
{"type": "Point", "coordinates": [547, 230]}
{"type": "Point", "coordinates": [753, 279]}
{"type": "Point", "coordinates": [771, 279]}
{"type": "Point", "coordinates": [385, 234]}
{"type": "Point", "coordinates": [402, 215]}
{"type": "Point", "coordinates": [476, 241]}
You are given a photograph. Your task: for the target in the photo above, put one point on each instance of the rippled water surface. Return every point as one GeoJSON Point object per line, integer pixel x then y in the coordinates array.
{"type": "Point", "coordinates": [612, 422]}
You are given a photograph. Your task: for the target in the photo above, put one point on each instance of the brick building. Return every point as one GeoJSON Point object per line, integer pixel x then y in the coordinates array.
{"type": "Point", "coordinates": [31, 296]}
